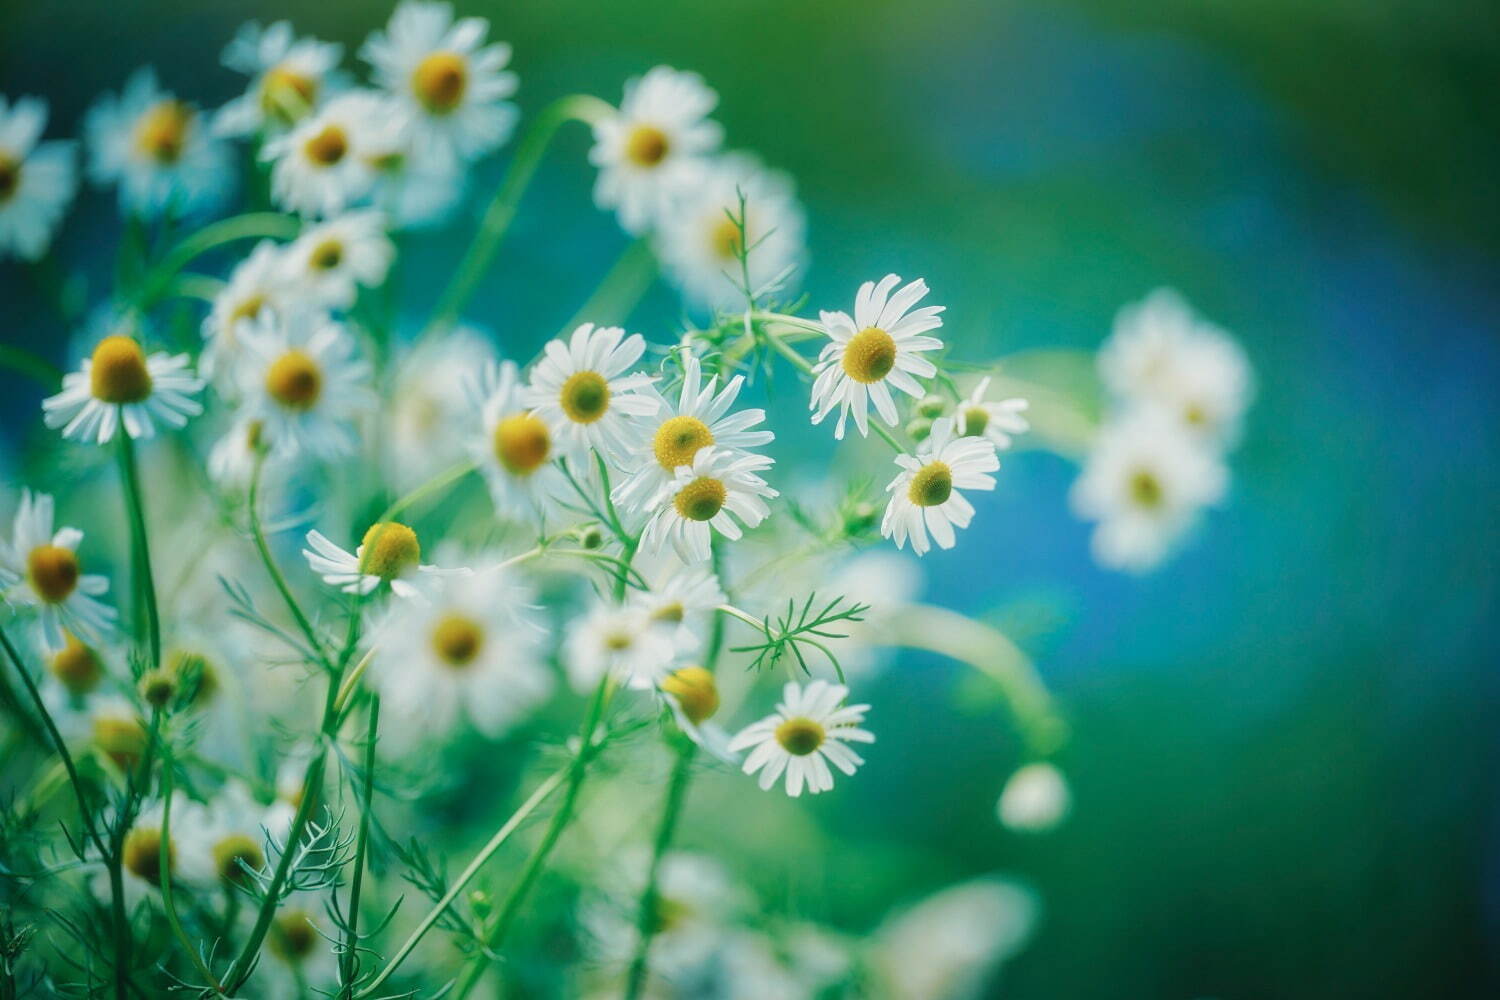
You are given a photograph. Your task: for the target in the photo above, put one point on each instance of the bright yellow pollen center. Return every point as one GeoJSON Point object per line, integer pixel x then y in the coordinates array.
{"type": "Point", "coordinates": [701, 499]}
{"type": "Point", "coordinates": [141, 854]}
{"type": "Point", "coordinates": [647, 146]}
{"type": "Point", "coordinates": [161, 133]}
{"type": "Point", "coordinates": [679, 439]}
{"type": "Point", "coordinates": [800, 736]}
{"type": "Point", "coordinates": [976, 419]}
{"type": "Point", "coordinates": [76, 666]}
{"type": "Point", "coordinates": [522, 443]}
{"type": "Point", "coordinates": [439, 81]}
{"type": "Point", "coordinates": [294, 380]}
{"type": "Point", "coordinates": [233, 849]}
{"type": "Point", "coordinates": [585, 397]}
{"type": "Point", "coordinates": [457, 639]}
{"type": "Point", "coordinates": [326, 256]}
{"type": "Point", "coordinates": [932, 485]}
{"type": "Point", "coordinates": [328, 147]}
{"type": "Point", "coordinates": [695, 691]}
{"type": "Point", "coordinates": [286, 94]}
{"type": "Point", "coordinates": [118, 372]}
{"type": "Point", "coordinates": [388, 550]}
{"type": "Point", "coordinates": [53, 572]}
{"type": "Point", "coordinates": [1145, 489]}
{"type": "Point", "coordinates": [293, 935]}
{"type": "Point", "coordinates": [725, 239]}
{"type": "Point", "coordinates": [10, 176]}
{"type": "Point", "coordinates": [870, 355]}
{"type": "Point", "coordinates": [121, 739]}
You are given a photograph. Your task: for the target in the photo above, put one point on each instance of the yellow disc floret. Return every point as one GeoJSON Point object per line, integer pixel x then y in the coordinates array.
{"type": "Point", "coordinates": [328, 148]}
{"type": "Point", "coordinates": [326, 256]}
{"type": "Point", "coordinates": [388, 550]}
{"type": "Point", "coordinates": [695, 691]}
{"type": "Point", "coordinates": [647, 146]}
{"type": "Point", "coordinates": [52, 572]}
{"type": "Point", "coordinates": [725, 239]}
{"type": "Point", "coordinates": [522, 443]}
{"type": "Point", "coordinates": [10, 176]}
{"type": "Point", "coordinates": [161, 133]}
{"type": "Point", "coordinates": [294, 380]}
{"type": "Point", "coordinates": [141, 854]}
{"type": "Point", "coordinates": [76, 666]}
{"type": "Point", "coordinates": [584, 397]}
{"type": "Point", "coordinates": [439, 81]}
{"type": "Point", "coordinates": [233, 849]}
{"type": "Point", "coordinates": [286, 94]}
{"type": "Point", "coordinates": [293, 936]}
{"type": "Point", "coordinates": [800, 736]}
{"type": "Point", "coordinates": [120, 738]}
{"type": "Point", "coordinates": [457, 639]}
{"type": "Point", "coordinates": [118, 373]}
{"type": "Point", "coordinates": [701, 499]}
{"type": "Point", "coordinates": [976, 419]}
{"type": "Point", "coordinates": [677, 440]}
{"type": "Point", "coordinates": [932, 485]}
{"type": "Point", "coordinates": [1145, 489]}
{"type": "Point", "coordinates": [870, 355]}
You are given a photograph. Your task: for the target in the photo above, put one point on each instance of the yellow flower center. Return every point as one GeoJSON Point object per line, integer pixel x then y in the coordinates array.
{"type": "Point", "coordinates": [457, 639]}
{"type": "Point", "coordinates": [725, 239]}
{"type": "Point", "coordinates": [188, 667]}
{"type": "Point", "coordinates": [647, 146]}
{"type": "Point", "coordinates": [976, 419]}
{"type": "Point", "coordinates": [286, 94]}
{"type": "Point", "coordinates": [10, 176]}
{"type": "Point", "coordinates": [141, 854]}
{"type": "Point", "coordinates": [522, 443]}
{"type": "Point", "coordinates": [247, 308]}
{"type": "Point", "coordinates": [53, 572]}
{"type": "Point", "coordinates": [328, 147]}
{"type": "Point", "coordinates": [76, 666]}
{"type": "Point", "coordinates": [292, 936]}
{"type": "Point", "coordinates": [439, 81]}
{"type": "Point", "coordinates": [695, 691]}
{"type": "Point", "coordinates": [294, 380]}
{"type": "Point", "coordinates": [1145, 489]}
{"type": "Point", "coordinates": [800, 736]}
{"type": "Point", "coordinates": [326, 256]}
{"type": "Point", "coordinates": [673, 613]}
{"type": "Point", "coordinates": [161, 133]}
{"type": "Point", "coordinates": [388, 550]}
{"type": "Point", "coordinates": [118, 373]}
{"type": "Point", "coordinates": [1195, 415]}
{"type": "Point", "coordinates": [122, 739]}
{"type": "Point", "coordinates": [678, 440]}
{"type": "Point", "coordinates": [932, 485]}
{"type": "Point", "coordinates": [870, 355]}
{"type": "Point", "coordinates": [618, 641]}
{"type": "Point", "coordinates": [701, 499]}
{"type": "Point", "coordinates": [669, 914]}
{"type": "Point", "coordinates": [585, 397]}
{"type": "Point", "coordinates": [229, 852]}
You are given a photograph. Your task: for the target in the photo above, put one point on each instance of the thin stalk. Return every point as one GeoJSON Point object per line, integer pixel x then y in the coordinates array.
{"type": "Point", "coordinates": [620, 289]}
{"type": "Point", "coordinates": [33, 367]}
{"type": "Point", "coordinates": [258, 533]}
{"type": "Point", "coordinates": [436, 484]}
{"type": "Point", "coordinates": [120, 926]}
{"type": "Point", "coordinates": [165, 863]}
{"type": "Point", "coordinates": [141, 550]}
{"type": "Point", "coordinates": [349, 959]}
{"type": "Point", "coordinates": [682, 771]}
{"type": "Point", "coordinates": [241, 227]}
{"type": "Point", "coordinates": [785, 350]}
{"type": "Point", "coordinates": [875, 423]}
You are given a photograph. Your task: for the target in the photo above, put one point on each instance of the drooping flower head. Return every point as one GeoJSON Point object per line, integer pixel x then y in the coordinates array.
{"type": "Point", "coordinates": [120, 387]}
{"type": "Point", "coordinates": [37, 179]}
{"type": "Point", "coordinates": [389, 553]}
{"type": "Point", "coordinates": [925, 495]}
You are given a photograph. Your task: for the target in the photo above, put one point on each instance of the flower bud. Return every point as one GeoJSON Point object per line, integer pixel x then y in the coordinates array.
{"type": "Point", "coordinates": [158, 686]}
{"type": "Point", "coordinates": [932, 406]}
{"type": "Point", "coordinates": [919, 428]}
{"type": "Point", "coordinates": [591, 537]}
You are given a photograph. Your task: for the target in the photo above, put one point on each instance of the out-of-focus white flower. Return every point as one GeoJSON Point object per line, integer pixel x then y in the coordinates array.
{"type": "Point", "coordinates": [432, 404]}
{"type": "Point", "coordinates": [389, 553]}
{"type": "Point", "coordinates": [654, 150]}
{"type": "Point", "coordinates": [925, 495]}
{"type": "Point", "coordinates": [158, 150]}
{"type": "Point", "coordinates": [37, 179]}
{"type": "Point", "coordinates": [1035, 799]}
{"type": "Point", "coordinates": [622, 641]}
{"type": "Point", "coordinates": [141, 855]}
{"type": "Point", "coordinates": [719, 491]}
{"type": "Point", "coordinates": [884, 580]}
{"type": "Point", "coordinates": [298, 949]}
{"type": "Point", "coordinates": [228, 831]}
{"type": "Point", "coordinates": [807, 732]}
{"type": "Point", "coordinates": [49, 577]}
{"type": "Point", "coordinates": [693, 696]}
{"type": "Point", "coordinates": [678, 594]}
{"type": "Point", "coordinates": [449, 86]}
{"type": "Point", "coordinates": [878, 349]}
{"type": "Point", "coordinates": [1145, 481]}
{"type": "Point", "coordinates": [322, 166]}
{"type": "Point", "coordinates": [289, 77]}
{"type": "Point", "coordinates": [413, 190]}
{"type": "Point", "coordinates": [328, 263]}
{"type": "Point", "coordinates": [582, 390]}
{"type": "Point", "coordinates": [117, 387]}
{"type": "Point", "coordinates": [700, 240]}
{"type": "Point", "coordinates": [997, 421]}
{"type": "Point", "coordinates": [515, 447]}
{"type": "Point", "coordinates": [947, 946]}
{"type": "Point", "coordinates": [256, 284]}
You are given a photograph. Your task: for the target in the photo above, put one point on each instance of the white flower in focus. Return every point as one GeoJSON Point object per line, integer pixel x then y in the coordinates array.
{"type": "Point", "coordinates": [997, 421]}
{"type": "Point", "coordinates": [322, 166]}
{"type": "Point", "coordinates": [1035, 799]}
{"type": "Point", "coordinates": [516, 447]}
{"type": "Point", "coordinates": [947, 946]}
{"type": "Point", "coordinates": [582, 391]}
{"type": "Point", "coordinates": [807, 732]}
{"type": "Point", "coordinates": [925, 495]}
{"type": "Point", "coordinates": [117, 387]}
{"type": "Point", "coordinates": [876, 350]}
{"type": "Point", "coordinates": [37, 179]}
{"type": "Point", "coordinates": [431, 406]}
{"type": "Point", "coordinates": [329, 262]}
{"type": "Point", "coordinates": [50, 577]}
{"type": "Point", "coordinates": [718, 492]}
{"type": "Point", "coordinates": [389, 553]}
{"type": "Point", "coordinates": [653, 151]}
{"type": "Point", "coordinates": [255, 285]}
{"type": "Point", "coordinates": [1145, 481]}
{"type": "Point", "coordinates": [289, 77]}
{"type": "Point", "coordinates": [158, 150]}
{"type": "Point", "coordinates": [448, 86]}
{"type": "Point", "coordinates": [619, 641]}
{"type": "Point", "coordinates": [700, 241]}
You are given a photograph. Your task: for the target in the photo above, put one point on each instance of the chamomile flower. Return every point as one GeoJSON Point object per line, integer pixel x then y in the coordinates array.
{"type": "Point", "coordinates": [141, 854]}
{"type": "Point", "coordinates": [120, 387]}
{"type": "Point", "coordinates": [619, 641]}
{"type": "Point", "coordinates": [299, 379]}
{"type": "Point", "coordinates": [581, 390]}
{"type": "Point", "coordinates": [699, 419]}
{"type": "Point", "coordinates": [808, 731]}
{"type": "Point", "coordinates": [45, 561]}
{"type": "Point", "coordinates": [289, 77]}
{"type": "Point", "coordinates": [157, 149]}
{"type": "Point", "coordinates": [116, 732]}
{"type": "Point", "coordinates": [228, 830]}
{"type": "Point", "coordinates": [654, 150]}
{"type": "Point", "coordinates": [697, 903]}
{"type": "Point", "coordinates": [1145, 481]}
{"type": "Point", "coordinates": [413, 190]}
{"type": "Point", "coordinates": [925, 495]}
{"type": "Point", "coordinates": [719, 491]}
{"type": "Point", "coordinates": [329, 262]}
{"type": "Point", "coordinates": [878, 349]}
{"type": "Point", "coordinates": [473, 652]}
{"type": "Point", "coordinates": [997, 421]}
{"type": "Point", "coordinates": [298, 951]}
{"type": "Point", "coordinates": [692, 694]}
{"type": "Point", "coordinates": [37, 179]}
{"type": "Point", "coordinates": [700, 241]}
{"type": "Point", "coordinates": [322, 166]}
{"type": "Point", "coordinates": [76, 668]}
{"type": "Point", "coordinates": [232, 459]}
{"type": "Point", "coordinates": [515, 448]}
{"type": "Point", "coordinates": [1035, 799]}
{"type": "Point", "coordinates": [432, 406]}
{"type": "Point", "coordinates": [389, 553]}
{"type": "Point", "coordinates": [678, 594]}
{"type": "Point", "coordinates": [256, 284]}
{"type": "Point", "coordinates": [448, 85]}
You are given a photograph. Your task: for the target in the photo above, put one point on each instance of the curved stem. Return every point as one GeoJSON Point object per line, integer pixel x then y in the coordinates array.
{"type": "Point", "coordinates": [436, 484]}
{"type": "Point", "coordinates": [272, 225]}
{"type": "Point", "coordinates": [349, 958]}
{"type": "Point", "coordinates": [646, 919]}
{"type": "Point", "coordinates": [33, 367]}
{"type": "Point", "coordinates": [140, 549]}
{"type": "Point", "coordinates": [258, 534]}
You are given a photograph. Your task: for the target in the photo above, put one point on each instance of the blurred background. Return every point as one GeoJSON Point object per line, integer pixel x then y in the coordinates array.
{"type": "Point", "coordinates": [1285, 741]}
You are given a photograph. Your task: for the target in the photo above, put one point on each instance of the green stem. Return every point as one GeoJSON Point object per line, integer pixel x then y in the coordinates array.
{"type": "Point", "coordinates": [258, 533]}
{"type": "Point", "coordinates": [436, 484]}
{"type": "Point", "coordinates": [254, 225]}
{"type": "Point", "coordinates": [121, 927]}
{"type": "Point", "coordinates": [349, 958]}
{"type": "Point", "coordinates": [682, 772]}
{"type": "Point", "coordinates": [140, 549]}
{"type": "Point", "coordinates": [619, 291]}
{"type": "Point", "coordinates": [167, 905]}
{"type": "Point", "coordinates": [33, 367]}
{"type": "Point", "coordinates": [785, 350]}
{"type": "Point", "coordinates": [890, 440]}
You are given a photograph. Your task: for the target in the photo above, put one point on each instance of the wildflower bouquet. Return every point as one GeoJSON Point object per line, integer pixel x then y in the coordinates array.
{"type": "Point", "coordinates": [219, 751]}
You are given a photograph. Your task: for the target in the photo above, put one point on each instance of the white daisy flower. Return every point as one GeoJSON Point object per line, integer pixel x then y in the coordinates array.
{"type": "Point", "coordinates": [1035, 799]}
{"type": "Point", "coordinates": [298, 950]}
{"type": "Point", "coordinates": [653, 151]}
{"type": "Point", "coordinates": [289, 77]}
{"type": "Point", "coordinates": [256, 284]}
{"type": "Point", "coordinates": [413, 190]}
{"type": "Point", "coordinates": [700, 241]}
{"type": "Point", "coordinates": [807, 732]}
{"type": "Point", "coordinates": [474, 652]}
{"type": "Point", "coordinates": [924, 495]}
{"type": "Point", "coordinates": [622, 641]}
{"type": "Point", "coordinates": [299, 379]}
{"type": "Point", "coordinates": [516, 447]}
{"type": "Point", "coordinates": [432, 404]}
{"type": "Point", "coordinates": [681, 595]}
{"type": "Point", "coordinates": [119, 386]}
{"type": "Point", "coordinates": [158, 149]}
{"type": "Point", "coordinates": [322, 165]}
{"type": "Point", "coordinates": [140, 855]}
{"type": "Point", "coordinates": [947, 946]}
{"type": "Point", "coordinates": [693, 696]}
{"type": "Point", "coordinates": [1145, 481]}
{"type": "Point", "coordinates": [878, 349]}
{"type": "Point", "coordinates": [329, 262]}
{"type": "Point", "coordinates": [389, 552]}
{"type": "Point", "coordinates": [582, 391]}
{"type": "Point", "coordinates": [229, 830]}
{"type": "Point", "coordinates": [116, 732]}
{"type": "Point", "coordinates": [719, 491]}
{"type": "Point", "coordinates": [37, 179]}
{"type": "Point", "coordinates": [997, 421]}
{"type": "Point", "coordinates": [76, 668]}
{"type": "Point", "coordinates": [448, 85]}
{"type": "Point", "coordinates": [50, 576]}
